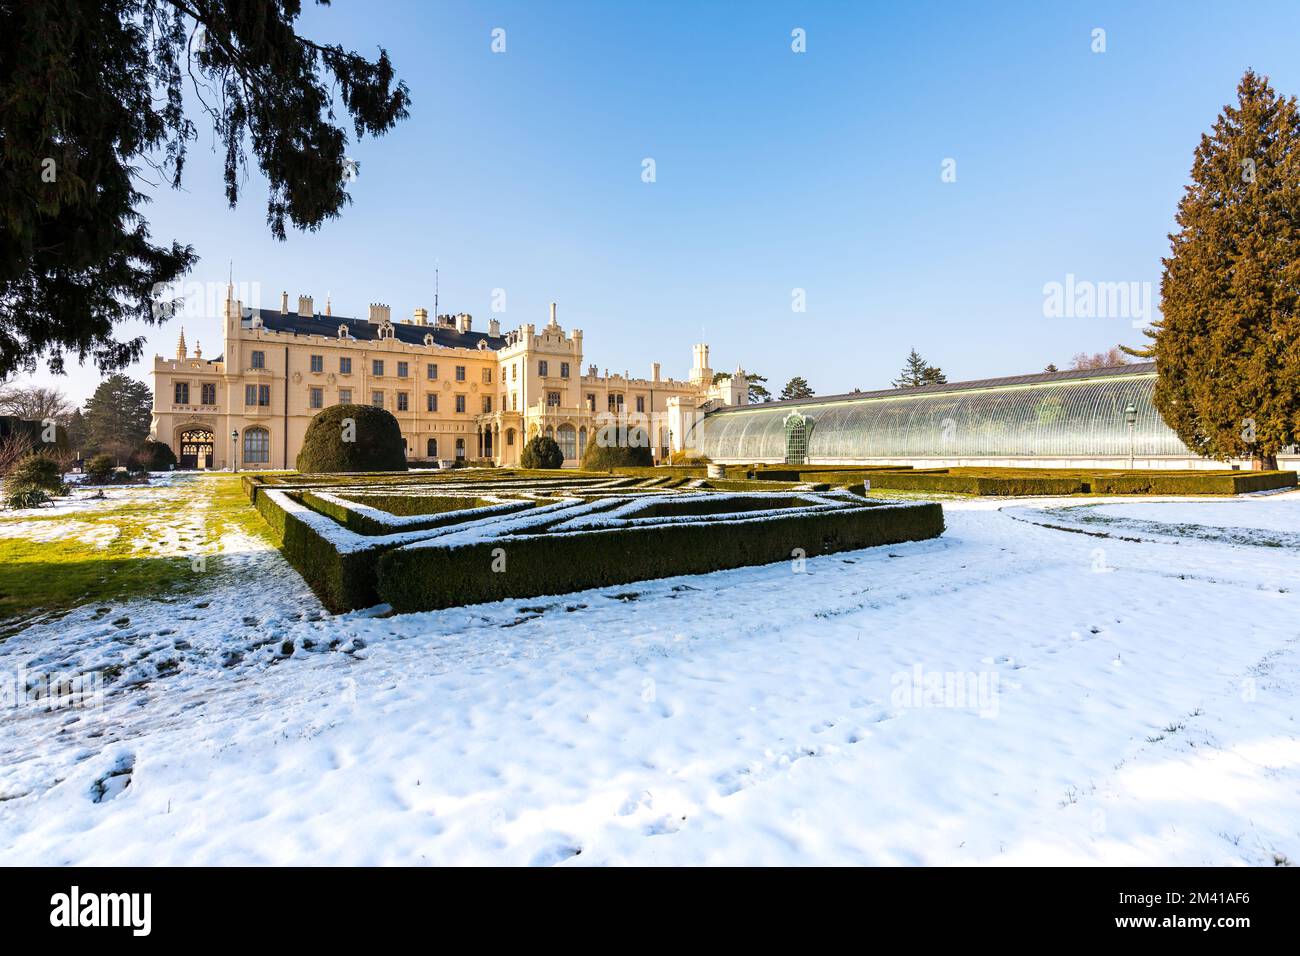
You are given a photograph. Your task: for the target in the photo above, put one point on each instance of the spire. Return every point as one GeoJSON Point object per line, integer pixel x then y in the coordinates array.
{"type": "Point", "coordinates": [181, 351]}
{"type": "Point", "coordinates": [198, 349]}
{"type": "Point", "coordinates": [328, 308]}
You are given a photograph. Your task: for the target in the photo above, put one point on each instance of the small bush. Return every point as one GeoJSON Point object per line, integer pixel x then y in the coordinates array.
{"type": "Point", "coordinates": [374, 441]}
{"type": "Point", "coordinates": [36, 471]}
{"type": "Point", "coordinates": [684, 457]}
{"type": "Point", "coordinates": [25, 497]}
{"type": "Point", "coordinates": [600, 457]}
{"type": "Point", "coordinates": [541, 452]}
{"type": "Point", "coordinates": [99, 470]}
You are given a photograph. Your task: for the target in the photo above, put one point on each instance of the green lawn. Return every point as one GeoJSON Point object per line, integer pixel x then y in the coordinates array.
{"type": "Point", "coordinates": [149, 556]}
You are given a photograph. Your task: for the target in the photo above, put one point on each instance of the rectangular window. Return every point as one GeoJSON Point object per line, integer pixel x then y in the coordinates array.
{"type": "Point", "coordinates": [403, 402]}
{"type": "Point", "coordinates": [564, 370]}
{"type": "Point", "coordinates": [345, 396]}
{"type": "Point", "coordinates": [553, 399]}
{"type": "Point", "coordinates": [460, 373]}
{"type": "Point", "coordinates": [264, 395]}
{"type": "Point", "coordinates": [377, 367]}
{"type": "Point", "coordinates": [514, 401]}
{"type": "Point", "coordinates": [377, 399]}
{"type": "Point", "coordinates": [510, 436]}
{"type": "Point", "coordinates": [460, 403]}
{"type": "Point", "coordinates": [543, 368]}
{"type": "Point", "coordinates": [430, 402]}
{"type": "Point", "coordinates": [591, 401]}
{"type": "Point", "coordinates": [259, 360]}
{"type": "Point", "coordinates": [487, 403]}
{"type": "Point", "coordinates": [182, 393]}
{"type": "Point", "coordinates": [250, 394]}
{"type": "Point", "coordinates": [431, 371]}
{"type": "Point", "coordinates": [209, 394]}
{"type": "Point", "coordinates": [318, 363]}
{"type": "Point", "coordinates": [487, 376]}
{"type": "Point", "coordinates": [316, 397]}
{"type": "Point", "coordinates": [514, 372]}
{"type": "Point", "coordinates": [345, 365]}
{"type": "Point", "coordinates": [402, 370]}
{"type": "Point", "coordinates": [640, 403]}
{"type": "Point", "coordinates": [616, 402]}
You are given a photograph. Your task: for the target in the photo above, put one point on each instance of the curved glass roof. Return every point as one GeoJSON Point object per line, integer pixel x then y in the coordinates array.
{"type": "Point", "coordinates": [1067, 414]}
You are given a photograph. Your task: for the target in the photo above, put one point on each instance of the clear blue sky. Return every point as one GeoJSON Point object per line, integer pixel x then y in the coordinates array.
{"type": "Point", "coordinates": [775, 171]}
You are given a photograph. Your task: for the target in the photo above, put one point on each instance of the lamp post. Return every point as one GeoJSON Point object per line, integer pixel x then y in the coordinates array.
{"type": "Point", "coordinates": [1130, 416]}
{"type": "Point", "coordinates": [234, 450]}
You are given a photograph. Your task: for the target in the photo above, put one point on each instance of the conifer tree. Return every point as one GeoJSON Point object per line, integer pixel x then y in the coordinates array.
{"type": "Point", "coordinates": [797, 387]}
{"type": "Point", "coordinates": [118, 416]}
{"type": "Point", "coordinates": [917, 371]}
{"type": "Point", "coordinates": [1227, 346]}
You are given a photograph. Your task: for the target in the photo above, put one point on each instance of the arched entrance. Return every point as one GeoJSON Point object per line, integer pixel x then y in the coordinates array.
{"type": "Point", "coordinates": [196, 446]}
{"type": "Point", "coordinates": [797, 428]}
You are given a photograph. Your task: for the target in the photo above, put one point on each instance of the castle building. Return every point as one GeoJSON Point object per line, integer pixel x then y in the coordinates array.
{"type": "Point", "coordinates": [458, 394]}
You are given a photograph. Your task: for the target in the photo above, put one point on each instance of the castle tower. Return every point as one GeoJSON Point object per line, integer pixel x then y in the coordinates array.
{"type": "Point", "coordinates": [181, 351]}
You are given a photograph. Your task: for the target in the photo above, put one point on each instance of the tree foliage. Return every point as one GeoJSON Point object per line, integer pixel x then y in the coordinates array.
{"type": "Point", "coordinates": [916, 371]}
{"type": "Point", "coordinates": [92, 108]}
{"type": "Point", "coordinates": [1108, 359]}
{"type": "Point", "coordinates": [758, 392]}
{"type": "Point", "coordinates": [797, 387]}
{"type": "Point", "coordinates": [1227, 346]}
{"type": "Point", "coordinates": [118, 417]}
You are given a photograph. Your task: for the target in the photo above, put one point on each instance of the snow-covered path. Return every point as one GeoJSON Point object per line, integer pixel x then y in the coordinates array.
{"type": "Point", "coordinates": [1132, 701]}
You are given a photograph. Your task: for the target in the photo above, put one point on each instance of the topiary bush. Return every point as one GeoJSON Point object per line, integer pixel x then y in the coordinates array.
{"type": "Point", "coordinates": [352, 438]}
{"type": "Point", "coordinates": [635, 453]}
{"type": "Point", "coordinates": [541, 452]}
{"type": "Point", "coordinates": [155, 456]}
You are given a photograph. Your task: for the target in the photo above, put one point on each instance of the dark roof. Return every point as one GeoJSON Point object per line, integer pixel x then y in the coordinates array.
{"type": "Point", "coordinates": [1037, 378]}
{"type": "Point", "coordinates": [360, 329]}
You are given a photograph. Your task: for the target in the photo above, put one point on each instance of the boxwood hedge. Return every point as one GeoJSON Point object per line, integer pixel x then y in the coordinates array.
{"type": "Point", "coordinates": [427, 577]}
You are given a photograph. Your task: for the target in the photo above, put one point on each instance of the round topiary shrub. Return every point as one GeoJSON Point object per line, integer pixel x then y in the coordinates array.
{"type": "Point", "coordinates": [634, 454]}
{"type": "Point", "coordinates": [155, 456]}
{"type": "Point", "coordinates": [541, 452]}
{"type": "Point", "coordinates": [352, 438]}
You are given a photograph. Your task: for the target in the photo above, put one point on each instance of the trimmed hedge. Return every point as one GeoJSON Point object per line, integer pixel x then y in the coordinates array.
{"type": "Point", "coordinates": [1189, 483]}
{"type": "Point", "coordinates": [376, 445]}
{"type": "Point", "coordinates": [599, 457]}
{"type": "Point", "coordinates": [428, 578]}
{"type": "Point", "coordinates": [343, 582]}
{"type": "Point", "coordinates": [441, 511]}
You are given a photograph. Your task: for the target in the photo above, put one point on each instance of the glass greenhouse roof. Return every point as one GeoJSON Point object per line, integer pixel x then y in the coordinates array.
{"type": "Point", "coordinates": [1057, 414]}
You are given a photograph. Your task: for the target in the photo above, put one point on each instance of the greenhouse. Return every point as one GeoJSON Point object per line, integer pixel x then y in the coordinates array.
{"type": "Point", "coordinates": [1091, 417]}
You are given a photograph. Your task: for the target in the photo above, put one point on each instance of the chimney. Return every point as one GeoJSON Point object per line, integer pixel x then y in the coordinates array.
{"type": "Point", "coordinates": [494, 328]}
{"type": "Point", "coordinates": [284, 303]}
{"type": "Point", "coordinates": [421, 316]}
{"type": "Point", "coordinates": [305, 309]}
{"type": "Point", "coordinates": [654, 371]}
{"type": "Point", "coordinates": [464, 322]}
{"type": "Point", "coordinates": [380, 313]}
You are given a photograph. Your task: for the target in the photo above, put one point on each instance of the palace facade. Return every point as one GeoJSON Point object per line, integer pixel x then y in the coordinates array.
{"type": "Point", "coordinates": [459, 394]}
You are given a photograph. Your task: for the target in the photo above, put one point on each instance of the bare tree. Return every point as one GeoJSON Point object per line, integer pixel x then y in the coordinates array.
{"type": "Point", "coordinates": [1114, 356]}
{"type": "Point", "coordinates": [34, 403]}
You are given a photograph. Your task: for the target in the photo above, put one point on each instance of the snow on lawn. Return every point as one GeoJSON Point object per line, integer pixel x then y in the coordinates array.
{"type": "Point", "coordinates": [1110, 701]}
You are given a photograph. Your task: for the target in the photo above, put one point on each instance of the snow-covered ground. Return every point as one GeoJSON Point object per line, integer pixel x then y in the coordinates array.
{"type": "Point", "coordinates": [1117, 682]}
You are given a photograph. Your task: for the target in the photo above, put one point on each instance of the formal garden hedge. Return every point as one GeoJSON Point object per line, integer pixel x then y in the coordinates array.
{"type": "Point", "coordinates": [427, 577]}
{"type": "Point", "coordinates": [636, 529]}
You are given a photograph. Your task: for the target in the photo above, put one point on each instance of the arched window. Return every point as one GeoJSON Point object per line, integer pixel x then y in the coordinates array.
{"type": "Point", "coordinates": [510, 436]}
{"type": "Point", "coordinates": [567, 439]}
{"type": "Point", "coordinates": [257, 446]}
{"type": "Point", "coordinates": [433, 448]}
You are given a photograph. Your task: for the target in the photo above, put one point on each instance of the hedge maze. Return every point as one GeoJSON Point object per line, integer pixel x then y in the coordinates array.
{"type": "Point", "coordinates": [422, 542]}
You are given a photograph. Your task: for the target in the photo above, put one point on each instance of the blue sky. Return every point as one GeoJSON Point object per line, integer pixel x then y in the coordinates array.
{"type": "Point", "coordinates": [775, 171]}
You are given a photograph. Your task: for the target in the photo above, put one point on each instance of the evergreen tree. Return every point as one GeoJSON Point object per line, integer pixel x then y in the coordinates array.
{"type": "Point", "coordinates": [797, 387]}
{"type": "Point", "coordinates": [1051, 367]}
{"type": "Point", "coordinates": [92, 102]}
{"type": "Point", "coordinates": [118, 417]}
{"type": "Point", "coordinates": [757, 385]}
{"type": "Point", "coordinates": [916, 371]}
{"type": "Point", "coordinates": [1227, 346]}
